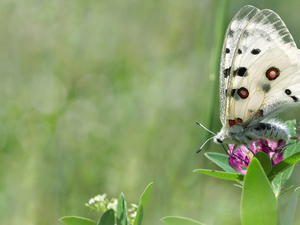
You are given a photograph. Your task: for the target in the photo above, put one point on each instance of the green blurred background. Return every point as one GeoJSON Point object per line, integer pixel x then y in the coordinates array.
{"type": "Point", "coordinates": [102, 97]}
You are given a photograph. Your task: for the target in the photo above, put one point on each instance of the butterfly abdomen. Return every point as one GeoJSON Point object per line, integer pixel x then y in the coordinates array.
{"type": "Point", "coordinates": [272, 131]}
{"type": "Point", "coordinates": [240, 135]}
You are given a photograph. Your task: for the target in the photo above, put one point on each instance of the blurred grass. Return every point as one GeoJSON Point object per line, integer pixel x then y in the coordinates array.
{"type": "Point", "coordinates": [101, 97]}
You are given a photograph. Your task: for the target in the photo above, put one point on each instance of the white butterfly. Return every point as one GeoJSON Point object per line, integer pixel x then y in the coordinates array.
{"type": "Point", "coordinates": [259, 77]}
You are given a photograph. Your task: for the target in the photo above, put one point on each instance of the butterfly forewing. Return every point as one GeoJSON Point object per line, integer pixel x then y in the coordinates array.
{"type": "Point", "coordinates": [257, 47]}
{"type": "Point", "coordinates": [232, 36]}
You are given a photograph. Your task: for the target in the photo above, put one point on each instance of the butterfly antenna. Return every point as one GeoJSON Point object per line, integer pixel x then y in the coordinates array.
{"type": "Point", "coordinates": [205, 128]}
{"type": "Point", "coordinates": [204, 144]}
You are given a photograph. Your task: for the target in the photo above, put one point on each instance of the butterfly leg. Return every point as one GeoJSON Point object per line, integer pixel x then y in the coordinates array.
{"type": "Point", "coordinates": [248, 147]}
{"type": "Point", "coordinates": [234, 155]}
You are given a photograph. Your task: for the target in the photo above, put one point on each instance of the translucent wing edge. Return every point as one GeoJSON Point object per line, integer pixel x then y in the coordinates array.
{"type": "Point", "coordinates": [246, 11]}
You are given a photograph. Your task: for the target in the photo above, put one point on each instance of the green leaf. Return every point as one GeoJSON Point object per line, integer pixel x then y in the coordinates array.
{"type": "Point", "coordinates": [284, 164]}
{"type": "Point", "coordinates": [121, 211]}
{"type": "Point", "coordinates": [75, 220]}
{"type": "Point", "coordinates": [259, 204]}
{"type": "Point", "coordinates": [280, 179]}
{"type": "Point", "coordinates": [264, 161]}
{"type": "Point", "coordinates": [108, 218]}
{"type": "Point", "coordinates": [176, 220]}
{"type": "Point", "coordinates": [290, 210]}
{"type": "Point", "coordinates": [285, 191]}
{"type": "Point", "coordinates": [221, 160]}
{"type": "Point", "coordinates": [142, 205]}
{"type": "Point", "coordinates": [290, 126]}
{"type": "Point", "coordinates": [221, 174]}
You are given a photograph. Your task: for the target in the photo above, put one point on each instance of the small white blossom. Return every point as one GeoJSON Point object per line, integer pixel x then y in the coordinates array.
{"type": "Point", "coordinates": [113, 205]}
{"type": "Point", "coordinates": [133, 215]}
{"type": "Point", "coordinates": [91, 201]}
{"type": "Point", "coordinates": [100, 198]}
{"type": "Point", "coordinates": [134, 205]}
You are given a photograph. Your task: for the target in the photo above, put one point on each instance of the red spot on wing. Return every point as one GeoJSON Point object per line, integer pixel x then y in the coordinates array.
{"type": "Point", "coordinates": [238, 120]}
{"type": "Point", "coordinates": [231, 122]}
{"type": "Point", "coordinates": [272, 73]}
{"type": "Point", "coordinates": [259, 113]}
{"type": "Point", "coordinates": [243, 92]}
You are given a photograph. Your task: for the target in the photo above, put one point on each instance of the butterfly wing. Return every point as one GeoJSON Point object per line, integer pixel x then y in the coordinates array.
{"type": "Point", "coordinates": [261, 75]}
{"type": "Point", "coordinates": [233, 33]}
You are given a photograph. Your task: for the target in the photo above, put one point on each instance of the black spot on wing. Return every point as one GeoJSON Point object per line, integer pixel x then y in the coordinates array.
{"type": "Point", "coordinates": [255, 51]}
{"type": "Point", "coordinates": [232, 92]}
{"type": "Point", "coordinates": [226, 72]}
{"type": "Point", "coordinates": [227, 50]}
{"type": "Point", "coordinates": [288, 91]}
{"type": "Point", "coordinates": [266, 87]}
{"type": "Point", "coordinates": [239, 51]}
{"type": "Point", "coordinates": [295, 98]}
{"type": "Point", "coordinates": [240, 72]}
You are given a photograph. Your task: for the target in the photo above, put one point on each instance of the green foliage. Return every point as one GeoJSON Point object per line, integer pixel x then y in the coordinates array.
{"type": "Point", "coordinates": [284, 164]}
{"type": "Point", "coordinates": [142, 205]}
{"type": "Point", "coordinates": [259, 204]}
{"type": "Point", "coordinates": [222, 175]}
{"type": "Point", "coordinates": [121, 211]}
{"type": "Point", "coordinates": [108, 218]}
{"type": "Point", "coordinates": [176, 220]}
{"type": "Point", "coordinates": [221, 160]}
{"type": "Point", "coordinates": [290, 210]}
{"type": "Point", "coordinates": [264, 161]}
{"type": "Point", "coordinates": [287, 168]}
{"type": "Point", "coordinates": [75, 220]}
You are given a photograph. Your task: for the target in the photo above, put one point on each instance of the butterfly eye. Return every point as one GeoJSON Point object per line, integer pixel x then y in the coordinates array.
{"type": "Point", "coordinates": [243, 92]}
{"type": "Point", "coordinates": [272, 73]}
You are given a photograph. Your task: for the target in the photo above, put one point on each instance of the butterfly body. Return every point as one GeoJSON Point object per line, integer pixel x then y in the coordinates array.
{"type": "Point", "coordinates": [240, 135]}
{"type": "Point", "coordinates": [259, 77]}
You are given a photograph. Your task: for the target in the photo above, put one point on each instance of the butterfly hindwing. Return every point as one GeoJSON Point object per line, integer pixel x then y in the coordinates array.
{"type": "Point", "coordinates": [266, 94]}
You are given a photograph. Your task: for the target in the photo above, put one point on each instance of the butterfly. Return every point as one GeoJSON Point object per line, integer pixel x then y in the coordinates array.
{"type": "Point", "coordinates": [259, 77]}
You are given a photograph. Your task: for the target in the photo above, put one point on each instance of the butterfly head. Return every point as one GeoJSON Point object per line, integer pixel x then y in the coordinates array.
{"type": "Point", "coordinates": [228, 135]}
{"type": "Point", "coordinates": [218, 140]}
{"type": "Point", "coordinates": [220, 137]}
